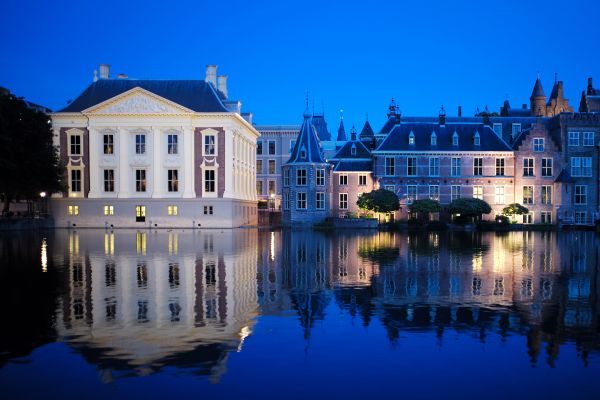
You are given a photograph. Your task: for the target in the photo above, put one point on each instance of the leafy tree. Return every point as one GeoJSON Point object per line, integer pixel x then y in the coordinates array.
{"type": "Point", "coordinates": [469, 208]}
{"type": "Point", "coordinates": [514, 209]}
{"type": "Point", "coordinates": [425, 207]}
{"type": "Point", "coordinates": [379, 201]}
{"type": "Point", "coordinates": [29, 162]}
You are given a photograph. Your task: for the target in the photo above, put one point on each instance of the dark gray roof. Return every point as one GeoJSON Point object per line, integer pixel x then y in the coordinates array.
{"type": "Point", "coordinates": [564, 177]}
{"type": "Point", "coordinates": [345, 152]}
{"type": "Point", "coordinates": [341, 134]}
{"type": "Point", "coordinates": [367, 131]}
{"type": "Point", "coordinates": [196, 95]}
{"type": "Point", "coordinates": [538, 90]}
{"type": "Point", "coordinates": [320, 125]}
{"type": "Point", "coordinates": [390, 123]}
{"type": "Point", "coordinates": [397, 140]}
{"type": "Point", "coordinates": [354, 166]}
{"type": "Point", "coordinates": [307, 143]}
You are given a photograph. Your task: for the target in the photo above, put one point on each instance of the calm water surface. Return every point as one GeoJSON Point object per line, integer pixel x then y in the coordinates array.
{"type": "Point", "coordinates": [259, 314]}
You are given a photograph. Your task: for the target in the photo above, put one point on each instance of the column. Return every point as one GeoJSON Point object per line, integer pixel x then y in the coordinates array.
{"type": "Point", "coordinates": [188, 163]}
{"type": "Point", "coordinates": [228, 168]}
{"type": "Point", "coordinates": [158, 184]}
{"type": "Point", "coordinates": [93, 162]}
{"type": "Point", "coordinates": [124, 171]}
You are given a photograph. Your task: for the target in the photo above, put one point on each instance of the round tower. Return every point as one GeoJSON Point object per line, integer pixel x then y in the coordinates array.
{"type": "Point", "coordinates": [538, 100]}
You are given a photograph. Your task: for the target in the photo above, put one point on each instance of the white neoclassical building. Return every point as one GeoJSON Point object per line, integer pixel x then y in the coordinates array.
{"type": "Point", "coordinates": [156, 153]}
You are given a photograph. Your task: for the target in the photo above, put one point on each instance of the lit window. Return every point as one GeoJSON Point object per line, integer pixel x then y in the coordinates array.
{"type": "Point", "coordinates": [271, 167]}
{"type": "Point", "coordinates": [271, 185]}
{"type": "Point", "coordinates": [259, 166]}
{"type": "Point", "coordinates": [527, 194]}
{"type": "Point", "coordinates": [172, 210]}
{"type": "Point", "coordinates": [546, 194]}
{"type": "Point", "coordinates": [108, 144]}
{"type": "Point", "coordinates": [140, 213]}
{"type": "Point", "coordinates": [73, 210]}
{"type": "Point", "coordinates": [478, 192]}
{"type": "Point", "coordinates": [259, 188]}
{"type": "Point", "coordinates": [109, 210]}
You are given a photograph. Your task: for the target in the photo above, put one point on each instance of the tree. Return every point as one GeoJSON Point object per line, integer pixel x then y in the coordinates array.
{"type": "Point", "coordinates": [425, 207]}
{"type": "Point", "coordinates": [514, 209]}
{"type": "Point", "coordinates": [379, 201]}
{"type": "Point", "coordinates": [29, 162]}
{"type": "Point", "coordinates": [469, 208]}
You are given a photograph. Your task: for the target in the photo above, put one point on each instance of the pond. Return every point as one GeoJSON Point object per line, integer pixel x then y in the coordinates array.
{"type": "Point", "coordinates": [299, 314]}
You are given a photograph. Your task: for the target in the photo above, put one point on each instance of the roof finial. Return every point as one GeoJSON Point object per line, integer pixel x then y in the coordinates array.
{"type": "Point", "coordinates": [306, 111]}
{"type": "Point", "coordinates": [341, 114]}
{"type": "Point", "coordinates": [367, 116]}
{"type": "Point", "coordinates": [555, 77]}
{"type": "Point", "coordinates": [538, 74]}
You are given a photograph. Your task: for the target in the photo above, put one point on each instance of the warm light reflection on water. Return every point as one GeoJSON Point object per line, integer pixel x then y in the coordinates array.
{"type": "Point", "coordinates": [188, 299]}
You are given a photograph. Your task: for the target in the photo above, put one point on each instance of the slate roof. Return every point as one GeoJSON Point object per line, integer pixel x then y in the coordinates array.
{"type": "Point", "coordinates": [391, 122]}
{"type": "Point", "coordinates": [538, 90]}
{"type": "Point", "coordinates": [320, 125]}
{"type": "Point", "coordinates": [308, 141]}
{"type": "Point", "coordinates": [397, 140]}
{"type": "Point", "coordinates": [367, 131]}
{"type": "Point", "coordinates": [345, 152]}
{"type": "Point", "coordinates": [341, 134]}
{"type": "Point", "coordinates": [564, 177]}
{"type": "Point", "coordinates": [354, 166]}
{"type": "Point", "coordinates": [196, 95]}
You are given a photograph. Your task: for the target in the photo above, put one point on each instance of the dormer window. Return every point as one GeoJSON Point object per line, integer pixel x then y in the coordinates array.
{"type": "Point", "coordinates": [455, 139]}
{"type": "Point", "coordinates": [353, 150]}
{"type": "Point", "coordinates": [477, 139]}
{"type": "Point", "coordinates": [433, 139]}
{"type": "Point", "coordinates": [303, 152]}
{"type": "Point", "coordinates": [411, 138]}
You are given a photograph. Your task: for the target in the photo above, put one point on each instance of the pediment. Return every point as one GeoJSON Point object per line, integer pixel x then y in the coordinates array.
{"type": "Point", "coordinates": [137, 101]}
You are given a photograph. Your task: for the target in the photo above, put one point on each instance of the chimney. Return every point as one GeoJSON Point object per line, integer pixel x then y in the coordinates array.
{"type": "Point", "coordinates": [460, 111]}
{"type": "Point", "coordinates": [122, 76]}
{"type": "Point", "coordinates": [442, 116]}
{"type": "Point", "coordinates": [590, 88]}
{"type": "Point", "coordinates": [211, 75]}
{"type": "Point", "coordinates": [104, 71]}
{"type": "Point", "coordinates": [222, 82]}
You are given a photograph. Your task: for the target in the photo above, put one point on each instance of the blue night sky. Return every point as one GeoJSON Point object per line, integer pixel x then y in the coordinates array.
{"type": "Point", "coordinates": [353, 55]}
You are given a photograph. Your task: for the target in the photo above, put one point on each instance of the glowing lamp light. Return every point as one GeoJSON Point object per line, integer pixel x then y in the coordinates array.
{"type": "Point", "coordinates": [42, 194]}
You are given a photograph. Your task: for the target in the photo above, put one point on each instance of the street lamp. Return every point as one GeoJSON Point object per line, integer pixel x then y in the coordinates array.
{"type": "Point", "coordinates": [43, 203]}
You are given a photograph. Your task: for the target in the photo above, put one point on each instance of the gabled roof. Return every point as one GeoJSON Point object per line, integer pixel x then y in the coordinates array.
{"type": "Point", "coordinates": [354, 166]}
{"type": "Point", "coordinates": [307, 149]}
{"type": "Point", "coordinates": [341, 134]}
{"type": "Point", "coordinates": [538, 91]}
{"type": "Point", "coordinates": [320, 125]}
{"type": "Point", "coordinates": [564, 177]}
{"type": "Point", "coordinates": [196, 95]}
{"type": "Point", "coordinates": [390, 123]}
{"type": "Point", "coordinates": [345, 152]}
{"type": "Point", "coordinates": [367, 131]}
{"type": "Point", "coordinates": [397, 140]}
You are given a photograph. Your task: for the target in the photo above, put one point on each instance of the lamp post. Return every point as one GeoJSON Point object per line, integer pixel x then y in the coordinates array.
{"type": "Point", "coordinates": [272, 201]}
{"type": "Point", "coordinates": [43, 204]}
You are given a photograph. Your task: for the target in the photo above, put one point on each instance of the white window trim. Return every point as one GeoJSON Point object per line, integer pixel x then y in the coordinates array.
{"type": "Point", "coordinates": [340, 201]}
{"type": "Point", "coordinates": [204, 192]}
{"type": "Point", "coordinates": [82, 191]}
{"type": "Point", "coordinates": [215, 133]}
{"type": "Point", "coordinates": [74, 132]}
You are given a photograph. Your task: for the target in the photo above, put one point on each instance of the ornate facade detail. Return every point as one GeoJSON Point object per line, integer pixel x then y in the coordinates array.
{"type": "Point", "coordinates": [138, 104]}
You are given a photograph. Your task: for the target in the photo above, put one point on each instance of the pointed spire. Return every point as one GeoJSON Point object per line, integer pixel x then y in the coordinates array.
{"type": "Point", "coordinates": [341, 135]}
{"type": "Point", "coordinates": [442, 116]}
{"type": "Point", "coordinates": [538, 90]}
{"type": "Point", "coordinates": [583, 105]}
{"type": "Point", "coordinates": [367, 131]}
{"type": "Point", "coordinates": [307, 148]}
{"type": "Point", "coordinates": [306, 110]}
{"type": "Point", "coordinates": [392, 108]}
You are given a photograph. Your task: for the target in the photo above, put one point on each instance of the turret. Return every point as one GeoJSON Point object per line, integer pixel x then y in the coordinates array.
{"type": "Point", "coordinates": [538, 99]}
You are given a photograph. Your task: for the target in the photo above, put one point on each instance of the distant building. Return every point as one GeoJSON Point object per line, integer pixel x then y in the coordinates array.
{"type": "Point", "coordinates": [156, 153]}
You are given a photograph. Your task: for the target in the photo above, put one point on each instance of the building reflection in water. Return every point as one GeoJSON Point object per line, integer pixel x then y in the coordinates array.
{"type": "Point", "coordinates": [187, 299]}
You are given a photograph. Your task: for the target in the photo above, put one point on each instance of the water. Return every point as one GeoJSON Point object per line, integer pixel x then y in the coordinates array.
{"type": "Point", "coordinates": [259, 314]}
